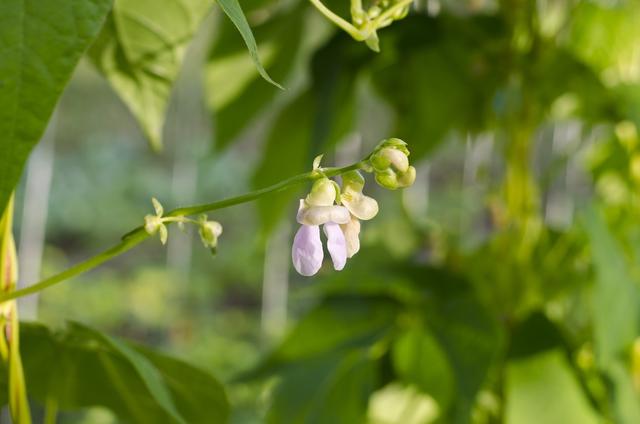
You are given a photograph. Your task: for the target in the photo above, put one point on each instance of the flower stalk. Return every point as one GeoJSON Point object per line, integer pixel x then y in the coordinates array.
{"type": "Point", "coordinates": [138, 235]}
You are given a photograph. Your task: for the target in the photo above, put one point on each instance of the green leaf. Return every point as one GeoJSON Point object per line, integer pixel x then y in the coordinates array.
{"type": "Point", "coordinates": [233, 10]}
{"type": "Point", "coordinates": [140, 51]}
{"type": "Point", "coordinates": [346, 323]}
{"type": "Point", "coordinates": [286, 152]}
{"type": "Point", "coordinates": [542, 389]}
{"type": "Point", "coordinates": [137, 384]}
{"type": "Point", "coordinates": [469, 336]}
{"type": "Point", "coordinates": [331, 389]}
{"type": "Point", "coordinates": [433, 82]}
{"type": "Point", "coordinates": [418, 359]}
{"type": "Point", "coordinates": [236, 101]}
{"type": "Point", "coordinates": [40, 45]}
{"type": "Point", "coordinates": [615, 294]}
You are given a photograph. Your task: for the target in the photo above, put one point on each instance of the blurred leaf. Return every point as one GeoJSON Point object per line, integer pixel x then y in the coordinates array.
{"type": "Point", "coordinates": [330, 389]}
{"type": "Point", "coordinates": [140, 52]}
{"type": "Point", "coordinates": [233, 10]}
{"type": "Point", "coordinates": [615, 295]}
{"type": "Point", "coordinates": [542, 389]}
{"type": "Point", "coordinates": [337, 324]}
{"type": "Point", "coordinates": [40, 45]}
{"type": "Point", "coordinates": [286, 152]}
{"type": "Point", "coordinates": [327, 364]}
{"type": "Point", "coordinates": [419, 360]}
{"type": "Point", "coordinates": [469, 336]}
{"type": "Point", "coordinates": [138, 385]}
{"type": "Point", "coordinates": [441, 76]}
{"type": "Point", "coordinates": [236, 101]}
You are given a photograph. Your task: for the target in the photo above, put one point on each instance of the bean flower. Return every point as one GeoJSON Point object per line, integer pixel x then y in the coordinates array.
{"type": "Point", "coordinates": [317, 209]}
{"type": "Point", "coordinates": [340, 210]}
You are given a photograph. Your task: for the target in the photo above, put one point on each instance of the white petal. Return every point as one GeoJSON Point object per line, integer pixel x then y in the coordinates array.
{"type": "Point", "coordinates": [361, 206]}
{"type": "Point", "coordinates": [318, 215]}
{"type": "Point", "coordinates": [336, 245]}
{"type": "Point", "coordinates": [351, 232]}
{"type": "Point", "coordinates": [306, 252]}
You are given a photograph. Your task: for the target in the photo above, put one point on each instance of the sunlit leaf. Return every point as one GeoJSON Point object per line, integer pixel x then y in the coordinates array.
{"type": "Point", "coordinates": [140, 52]}
{"type": "Point", "coordinates": [40, 45]}
{"type": "Point", "coordinates": [542, 388]}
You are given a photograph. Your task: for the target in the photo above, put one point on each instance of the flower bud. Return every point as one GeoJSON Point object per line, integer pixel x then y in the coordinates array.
{"type": "Point", "coordinates": [387, 179]}
{"type": "Point", "coordinates": [394, 143]}
{"type": "Point", "coordinates": [152, 224]}
{"type": "Point", "coordinates": [407, 179]}
{"type": "Point", "coordinates": [209, 232]}
{"type": "Point", "coordinates": [390, 157]}
{"type": "Point", "coordinates": [323, 193]}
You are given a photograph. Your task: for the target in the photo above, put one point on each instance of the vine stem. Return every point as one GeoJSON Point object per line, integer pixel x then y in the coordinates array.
{"type": "Point", "coordinates": [138, 235]}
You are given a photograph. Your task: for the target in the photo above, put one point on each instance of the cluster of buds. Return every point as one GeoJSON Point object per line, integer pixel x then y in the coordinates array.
{"type": "Point", "coordinates": [390, 163]}
{"type": "Point", "coordinates": [156, 224]}
{"type": "Point", "coordinates": [339, 209]}
{"type": "Point", "coordinates": [380, 14]}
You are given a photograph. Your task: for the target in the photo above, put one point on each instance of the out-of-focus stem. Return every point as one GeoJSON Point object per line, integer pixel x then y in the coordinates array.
{"type": "Point", "coordinates": [10, 328]}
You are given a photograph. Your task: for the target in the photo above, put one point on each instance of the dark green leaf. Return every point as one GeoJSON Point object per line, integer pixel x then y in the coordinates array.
{"type": "Point", "coordinates": [137, 384]}
{"type": "Point", "coordinates": [40, 45]}
{"type": "Point", "coordinates": [330, 389]}
{"type": "Point", "coordinates": [419, 360]}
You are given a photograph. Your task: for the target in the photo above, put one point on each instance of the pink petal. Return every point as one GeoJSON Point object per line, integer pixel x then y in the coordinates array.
{"type": "Point", "coordinates": [306, 252]}
{"type": "Point", "coordinates": [336, 244]}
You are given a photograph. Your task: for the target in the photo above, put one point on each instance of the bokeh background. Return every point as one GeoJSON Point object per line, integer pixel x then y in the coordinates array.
{"type": "Point", "coordinates": [501, 287]}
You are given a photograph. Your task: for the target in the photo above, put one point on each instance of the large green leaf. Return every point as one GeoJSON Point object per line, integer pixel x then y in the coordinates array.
{"type": "Point", "coordinates": [140, 51]}
{"type": "Point", "coordinates": [419, 360]}
{"type": "Point", "coordinates": [542, 389]}
{"type": "Point", "coordinates": [441, 77]}
{"type": "Point", "coordinates": [615, 305]}
{"type": "Point", "coordinates": [40, 45]}
{"type": "Point", "coordinates": [615, 294]}
{"type": "Point", "coordinates": [137, 384]}
{"type": "Point", "coordinates": [236, 101]}
{"type": "Point", "coordinates": [330, 389]}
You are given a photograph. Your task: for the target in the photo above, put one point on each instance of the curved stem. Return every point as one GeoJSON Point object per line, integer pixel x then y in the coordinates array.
{"type": "Point", "coordinates": [138, 235]}
{"type": "Point", "coordinates": [353, 31]}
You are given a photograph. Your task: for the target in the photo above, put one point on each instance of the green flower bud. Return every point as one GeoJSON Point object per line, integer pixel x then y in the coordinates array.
{"type": "Point", "coordinates": [394, 143]}
{"type": "Point", "coordinates": [323, 193]}
{"type": "Point", "coordinates": [387, 179]}
{"type": "Point", "coordinates": [209, 232]}
{"type": "Point", "coordinates": [407, 179]}
{"type": "Point", "coordinates": [389, 157]}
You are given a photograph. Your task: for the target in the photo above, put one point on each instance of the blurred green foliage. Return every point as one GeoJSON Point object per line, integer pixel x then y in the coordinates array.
{"type": "Point", "coordinates": [502, 287]}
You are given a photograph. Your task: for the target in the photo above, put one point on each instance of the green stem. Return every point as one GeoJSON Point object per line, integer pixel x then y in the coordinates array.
{"type": "Point", "coordinates": [353, 31]}
{"type": "Point", "coordinates": [50, 411]}
{"type": "Point", "coordinates": [389, 12]}
{"type": "Point", "coordinates": [138, 235]}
